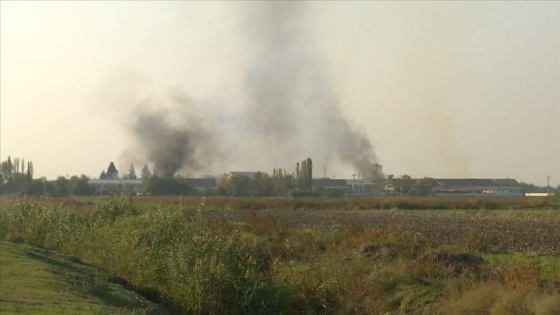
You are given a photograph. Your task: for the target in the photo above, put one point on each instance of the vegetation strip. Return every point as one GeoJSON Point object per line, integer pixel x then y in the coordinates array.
{"type": "Point", "coordinates": [197, 264]}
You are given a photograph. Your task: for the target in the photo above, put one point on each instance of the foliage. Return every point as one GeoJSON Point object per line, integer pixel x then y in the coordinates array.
{"type": "Point", "coordinates": [14, 177]}
{"type": "Point", "coordinates": [39, 281]}
{"type": "Point", "coordinates": [194, 264]}
{"type": "Point", "coordinates": [304, 174]}
{"type": "Point", "coordinates": [283, 182]}
{"type": "Point", "coordinates": [112, 172]}
{"type": "Point", "coordinates": [165, 185]}
{"type": "Point", "coordinates": [132, 172]}
{"type": "Point", "coordinates": [180, 262]}
{"type": "Point", "coordinates": [146, 172]}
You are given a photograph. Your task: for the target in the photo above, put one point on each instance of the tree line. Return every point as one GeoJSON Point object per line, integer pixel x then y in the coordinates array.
{"type": "Point", "coordinates": [16, 177]}
{"type": "Point", "coordinates": [406, 185]}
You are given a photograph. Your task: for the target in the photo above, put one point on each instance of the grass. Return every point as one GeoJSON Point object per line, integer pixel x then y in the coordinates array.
{"type": "Point", "coordinates": [547, 267]}
{"type": "Point", "coordinates": [195, 264]}
{"type": "Point", "coordinates": [37, 281]}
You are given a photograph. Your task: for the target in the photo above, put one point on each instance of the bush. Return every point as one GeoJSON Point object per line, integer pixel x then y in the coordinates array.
{"type": "Point", "coordinates": [190, 267]}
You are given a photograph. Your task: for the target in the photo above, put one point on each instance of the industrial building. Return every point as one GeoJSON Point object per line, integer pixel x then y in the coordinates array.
{"type": "Point", "coordinates": [116, 186]}
{"type": "Point", "coordinates": [476, 186]}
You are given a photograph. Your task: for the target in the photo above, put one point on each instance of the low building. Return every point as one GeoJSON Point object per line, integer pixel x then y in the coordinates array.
{"type": "Point", "coordinates": [349, 186]}
{"type": "Point", "coordinates": [477, 186]}
{"type": "Point", "coordinates": [245, 174]}
{"type": "Point", "coordinates": [330, 184]}
{"type": "Point", "coordinates": [116, 186]}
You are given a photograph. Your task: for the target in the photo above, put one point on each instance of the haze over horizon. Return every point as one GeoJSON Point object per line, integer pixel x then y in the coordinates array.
{"type": "Point", "coordinates": [460, 89]}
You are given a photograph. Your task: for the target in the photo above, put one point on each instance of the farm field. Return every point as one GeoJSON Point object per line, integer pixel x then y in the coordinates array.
{"type": "Point", "coordinates": [220, 255]}
{"type": "Point", "coordinates": [501, 230]}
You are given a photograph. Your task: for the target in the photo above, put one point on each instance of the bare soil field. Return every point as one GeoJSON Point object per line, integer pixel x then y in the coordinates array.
{"type": "Point", "coordinates": [540, 234]}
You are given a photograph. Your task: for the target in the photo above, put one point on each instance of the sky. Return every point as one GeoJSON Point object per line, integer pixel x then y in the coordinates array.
{"type": "Point", "coordinates": [440, 89]}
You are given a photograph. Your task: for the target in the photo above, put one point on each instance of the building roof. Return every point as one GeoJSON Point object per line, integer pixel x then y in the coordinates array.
{"type": "Point", "coordinates": [247, 174]}
{"type": "Point", "coordinates": [329, 183]}
{"type": "Point", "coordinates": [471, 182]}
{"type": "Point", "coordinates": [115, 181]}
{"type": "Point", "coordinates": [506, 182]}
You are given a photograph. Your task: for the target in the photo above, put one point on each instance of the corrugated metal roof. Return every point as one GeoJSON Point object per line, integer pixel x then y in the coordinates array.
{"type": "Point", "coordinates": [506, 182]}
{"type": "Point", "coordinates": [471, 182]}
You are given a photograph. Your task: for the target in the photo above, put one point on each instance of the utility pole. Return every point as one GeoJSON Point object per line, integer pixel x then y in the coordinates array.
{"type": "Point", "coordinates": [354, 183]}
{"type": "Point", "coordinates": [548, 185]}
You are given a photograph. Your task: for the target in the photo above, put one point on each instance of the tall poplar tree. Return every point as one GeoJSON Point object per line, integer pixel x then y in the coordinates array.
{"type": "Point", "coordinates": [132, 172]}
{"type": "Point", "coordinates": [309, 174]}
{"type": "Point", "coordinates": [303, 175]}
{"type": "Point", "coordinates": [298, 176]}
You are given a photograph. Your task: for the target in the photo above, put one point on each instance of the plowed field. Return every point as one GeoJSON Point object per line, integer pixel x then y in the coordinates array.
{"type": "Point", "coordinates": [538, 234]}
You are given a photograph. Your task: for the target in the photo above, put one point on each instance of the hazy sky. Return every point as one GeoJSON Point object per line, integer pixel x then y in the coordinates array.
{"type": "Point", "coordinates": [442, 89]}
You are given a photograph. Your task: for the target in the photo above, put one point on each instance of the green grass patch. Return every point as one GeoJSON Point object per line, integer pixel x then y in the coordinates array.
{"type": "Point", "coordinates": [37, 281]}
{"type": "Point", "coordinates": [546, 267]}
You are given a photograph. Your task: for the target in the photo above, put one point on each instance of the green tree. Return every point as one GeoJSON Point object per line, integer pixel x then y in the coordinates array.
{"type": "Point", "coordinates": [303, 175]}
{"type": "Point", "coordinates": [16, 165]}
{"type": "Point", "coordinates": [309, 174]}
{"type": "Point", "coordinates": [61, 187]}
{"type": "Point", "coordinates": [424, 186]}
{"type": "Point", "coordinates": [146, 172]}
{"type": "Point", "coordinates": [78, 185]}
{"type": "Point", "coordinates": [9, 166]}
{"type": "Point", "coordinates": [238, 185]}
{"type": "Point", "coordinates": [166, 185]}
{"type": "Point", "coordinates": [103, 175]}
{"type": "Point", "coordinates": [282, 182]}
{"type": "Point", "coordinates": [298, 176]}
{"type": "Point", "coordinates": [132, 172]}
{"type": "Point", "coordinates": [403, 185]}
{"type": "Point", "coordinates": [390, 184]}
{"type": "Point", "coordinates": [13, 176]}
{"type": "Point", "coordinates": [112, 172]}
{"type": "Point", "coordinates": [30, 169]}
{"type": "Point", "coordinates": [16, 184]}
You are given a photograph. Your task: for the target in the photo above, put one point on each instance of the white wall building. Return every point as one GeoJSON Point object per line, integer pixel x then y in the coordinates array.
{"type": "Point", "coordinates": [116, 186]}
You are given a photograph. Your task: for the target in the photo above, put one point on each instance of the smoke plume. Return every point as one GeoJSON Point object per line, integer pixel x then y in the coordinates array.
{"type": "Point", "coordinates": [291, 104]}
{"type": "Point", "coordinates": [174, 138]}
{"type": "Point", "coordinates": [290, 112]}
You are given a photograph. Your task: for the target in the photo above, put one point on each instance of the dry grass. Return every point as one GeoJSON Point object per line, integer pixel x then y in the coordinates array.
{"type": "Point", "coordinates": [200, 264]}
{"type": "Point", "coordinates": [352, 203]}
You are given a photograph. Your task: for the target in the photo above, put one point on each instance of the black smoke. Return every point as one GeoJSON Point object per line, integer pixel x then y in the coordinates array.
{"type": "Point", "coordinates": [291, 101]}
{"type": "Point", "coordinates": [290, 111]}
{"type": "Point", "coordinates": [174, 138]}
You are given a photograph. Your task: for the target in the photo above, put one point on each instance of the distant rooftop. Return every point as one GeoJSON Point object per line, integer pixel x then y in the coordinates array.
{"type": "Point", "coordinates": [114, 181]}
{"type": "Point", "coordinates": [469, 182]}
{"type": "Point", "coordinates": [247, 174]}
{"type": "Point", "coordinates": [329, 183]}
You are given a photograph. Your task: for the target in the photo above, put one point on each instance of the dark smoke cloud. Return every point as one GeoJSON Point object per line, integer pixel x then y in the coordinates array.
{"type": "Point", "coordinates": [175, 138]}
{"type": "Point", "coordinates": [291, 111]}
{"type": "Point", "coordinates": [290, 99]}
